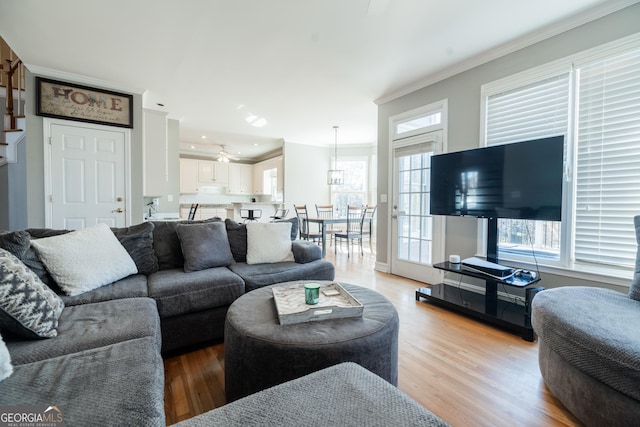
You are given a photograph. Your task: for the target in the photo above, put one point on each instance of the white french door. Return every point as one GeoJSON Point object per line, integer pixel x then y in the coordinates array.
{"type": "Point", "coordinates": [417, 238]}
{"type": "Point", "coordinates": [86, 176]}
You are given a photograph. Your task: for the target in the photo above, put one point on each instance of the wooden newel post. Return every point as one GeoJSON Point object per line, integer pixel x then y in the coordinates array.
{"type": "Point", "coordinates": [11, 68]}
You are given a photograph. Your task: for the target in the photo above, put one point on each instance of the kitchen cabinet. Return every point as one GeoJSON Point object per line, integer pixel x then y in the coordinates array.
{"type": "Point", "coordinates": [240, 179]}
{"type": "Point", "coordinates": [195, 173]}
{"type": "Point", "coordinates": [189, 176]}
{"type": "Point", "coordinates": [211, 172]}
{"type": "Point", "coordinates": [268, 177]}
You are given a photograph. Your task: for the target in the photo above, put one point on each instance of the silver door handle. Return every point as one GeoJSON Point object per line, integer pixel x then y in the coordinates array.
{"type": "Point", "coordinates": [119, 210]}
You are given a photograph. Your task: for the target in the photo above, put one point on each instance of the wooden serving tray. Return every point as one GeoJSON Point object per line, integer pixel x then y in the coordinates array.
{"type": "Point", "coordinates": [335, 303]}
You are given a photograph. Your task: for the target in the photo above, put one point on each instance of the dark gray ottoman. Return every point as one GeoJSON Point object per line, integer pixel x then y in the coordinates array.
{"type": "Point", "coordinates": [342, 395]}
{"type": "Point", "coordinates": [260, 353]}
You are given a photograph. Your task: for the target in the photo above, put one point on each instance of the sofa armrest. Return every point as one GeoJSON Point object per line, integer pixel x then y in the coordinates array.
{"type": "Point", "coordinates": [305, 251]}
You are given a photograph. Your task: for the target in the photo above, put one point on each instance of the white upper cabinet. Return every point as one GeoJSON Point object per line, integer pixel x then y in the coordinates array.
{"type": "Point", "coordinates": [189, 176]}
{"type": "Point", "coordinates": [213, 173]}
{"type": "Point", "coordinates": [240, 179]}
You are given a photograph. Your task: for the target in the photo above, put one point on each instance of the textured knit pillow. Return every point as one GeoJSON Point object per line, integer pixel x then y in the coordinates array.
{"type": "Point", "coordinates": [5, 361]}
{"type": "Point", "coordinates": [27, 306]}
{"type": "Point", "coordinates": [138, 241]}
{"type": "Point", "coordinates": [204, 245]}
{"type": "Point", "coordinates": [85, 259]}
{"type": "Point", "coordinates": [268, 242]}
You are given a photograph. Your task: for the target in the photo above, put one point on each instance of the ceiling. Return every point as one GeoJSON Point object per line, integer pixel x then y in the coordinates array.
{"type": "Point", "coordinates": [300, 67]}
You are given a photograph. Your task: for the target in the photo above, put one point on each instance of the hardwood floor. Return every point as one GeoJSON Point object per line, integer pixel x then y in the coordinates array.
{"type": "Point", "coordinates": [466, 372]}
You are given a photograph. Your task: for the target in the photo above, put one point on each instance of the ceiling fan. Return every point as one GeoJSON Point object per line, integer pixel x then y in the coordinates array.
{"type": "Point", "coordinates": [224, 156]}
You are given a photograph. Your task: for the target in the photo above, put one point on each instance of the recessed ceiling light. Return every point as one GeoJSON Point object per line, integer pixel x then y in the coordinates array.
{"type": "Point", "coordinates": [193, 147]}
{"type": "Point", "coordinates": [251, 118]}
{"type": "Point", "coordinates": [255, 144]}
{"type": "Point", "coordinates": [204, 137]}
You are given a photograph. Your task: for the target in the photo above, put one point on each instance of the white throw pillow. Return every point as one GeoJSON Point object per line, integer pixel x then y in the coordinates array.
{"type": "Point", "coordinates": [5, 361]}
{"type": "Point", "coordinates": [85, 259]}
{"type": "Point", "coordinates": [268, 242]}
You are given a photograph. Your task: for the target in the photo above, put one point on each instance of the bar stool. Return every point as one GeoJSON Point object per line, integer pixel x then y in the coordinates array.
{"type": "Point", "coordinates": [250, 214]}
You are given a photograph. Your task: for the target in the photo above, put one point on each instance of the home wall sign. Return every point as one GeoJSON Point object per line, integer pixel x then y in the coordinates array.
{"type": "Point", "coordinates": [63, 100]}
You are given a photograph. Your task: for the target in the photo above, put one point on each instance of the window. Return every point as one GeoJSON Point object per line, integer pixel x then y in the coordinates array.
{"type": "Point", "coordinates": [354, 189]}
{"type": "Point", "coordinates": [594, 100]}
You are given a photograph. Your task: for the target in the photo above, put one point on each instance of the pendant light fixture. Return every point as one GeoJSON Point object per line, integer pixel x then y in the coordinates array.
{"type": "Point", "coordinates": [335, 176]}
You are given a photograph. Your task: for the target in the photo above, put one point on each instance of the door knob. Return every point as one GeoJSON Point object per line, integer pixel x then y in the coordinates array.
{"type": "Point", "coordinates": [119, 210]}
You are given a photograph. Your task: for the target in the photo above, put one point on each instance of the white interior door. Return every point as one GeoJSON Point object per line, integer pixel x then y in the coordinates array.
{"type": "Point", "coordinates": [87, 177]}
{"type": "Point", "coordinates": [417, 237]}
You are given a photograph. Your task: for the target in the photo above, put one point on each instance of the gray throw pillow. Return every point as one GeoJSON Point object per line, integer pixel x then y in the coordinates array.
{"type": "Point", "coordinates": [138, 241]}
{"type": "Point", "coordinates": [634, 291]}
{"type": "Point", "coordinates": [204, 245]}
{"type": "Point", "coordinates": [27, 306]}
{"type": "Point", "coordinates": [166, 243]}
{"type": "Point", "coordinates": [237, 234]}
{"type": "Point", "coordinates": [16, 242]}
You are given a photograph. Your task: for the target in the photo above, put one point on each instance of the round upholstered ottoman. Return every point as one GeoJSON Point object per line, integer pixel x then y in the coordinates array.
{"type": "Point", "coordinates": [260, 353]}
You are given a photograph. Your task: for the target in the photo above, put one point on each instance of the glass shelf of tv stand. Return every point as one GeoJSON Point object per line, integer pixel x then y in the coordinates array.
{"type": "Point", "coordinates": [519, 282]}
{"type": "Point", "coordinates": [487, 307]}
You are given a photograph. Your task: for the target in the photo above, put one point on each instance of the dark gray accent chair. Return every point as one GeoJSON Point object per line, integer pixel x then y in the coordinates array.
{"type": "Point", "coordinates": [589, 349]}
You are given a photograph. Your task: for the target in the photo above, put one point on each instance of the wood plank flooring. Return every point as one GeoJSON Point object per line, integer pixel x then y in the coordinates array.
{"type": "Point", "coordinates": [466, 372]}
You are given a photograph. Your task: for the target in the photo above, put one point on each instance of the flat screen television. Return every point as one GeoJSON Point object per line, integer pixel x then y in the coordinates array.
{"type": "Point", "coordinates": [522, 180]}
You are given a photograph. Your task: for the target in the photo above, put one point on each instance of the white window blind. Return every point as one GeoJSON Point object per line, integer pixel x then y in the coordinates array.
{"type": "Point", "coordinates": [608, 160]}
{"type": "Point", "coordinates": [537, 110]}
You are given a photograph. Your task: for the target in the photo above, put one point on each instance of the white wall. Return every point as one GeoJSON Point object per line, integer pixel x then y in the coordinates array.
{"type": "Point", "coordinates": [463, 94]}
{"type": "Point", "coordinates": [305, 175]}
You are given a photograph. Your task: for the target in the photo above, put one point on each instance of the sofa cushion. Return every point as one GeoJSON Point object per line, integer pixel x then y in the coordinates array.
{"type": "Point", "coordinates": [177, 292]}
{"type": "Point", "coordinates": [268, 242]}
{"type": "Point", "coordinates": [87, 326]}
{"type": "Point", "coordinates": [258, 275]}
{"type": "Point", "coordinates": [27, 306]}
{"type": "Point", "coordinates": [237, 234]}
{"type": "Point", "coordinates": [115, 385]}
{"type": "Point", "coordinates": [5, 361]}
{"type": "Point", "coordinates": [134, 286]}
{"type": "Point", "coordinates": [138, 241]}
{"type": "Point", "coordinates": [166, 243]}
{"type": "Point", "coordinates": [85, 259]}
{"type": "Point", "coordinates": [204, 245]}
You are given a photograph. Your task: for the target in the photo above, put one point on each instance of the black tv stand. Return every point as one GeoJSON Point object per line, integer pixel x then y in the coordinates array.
{"type": "Point", "coordinates": [487, 307]}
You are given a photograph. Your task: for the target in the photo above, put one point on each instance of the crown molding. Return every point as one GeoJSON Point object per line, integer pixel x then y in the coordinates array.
{"type": "Point", "coordinates": [80, 79]}
{"type": "Point", "coordinates": [510, 47]}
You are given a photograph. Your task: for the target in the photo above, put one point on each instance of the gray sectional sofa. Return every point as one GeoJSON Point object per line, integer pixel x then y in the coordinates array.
{"type": "Point", "coordinates": [104, 366]}
{"type": "Point", "coordinates": [589, 349]}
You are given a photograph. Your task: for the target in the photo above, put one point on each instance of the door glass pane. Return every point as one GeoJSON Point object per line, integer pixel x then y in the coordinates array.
{"type": "Point", "coordinates": [414, 222]}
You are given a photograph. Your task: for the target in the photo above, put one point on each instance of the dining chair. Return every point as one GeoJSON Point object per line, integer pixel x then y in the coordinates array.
{"type": "Point", "coordinates": [192, 211]}
{"type": "Point", "coordinates": [355, 220]}
{"type": "Point", "coordinates": [326, 211]}
{"type": "Point", "coordinates": [305, 233]}
{"type": "Point", "coordinates": [367, 226]}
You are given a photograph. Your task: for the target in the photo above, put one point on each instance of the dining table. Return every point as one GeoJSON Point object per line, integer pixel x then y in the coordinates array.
{"type": "Point", "coordinates": [323, 222]}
